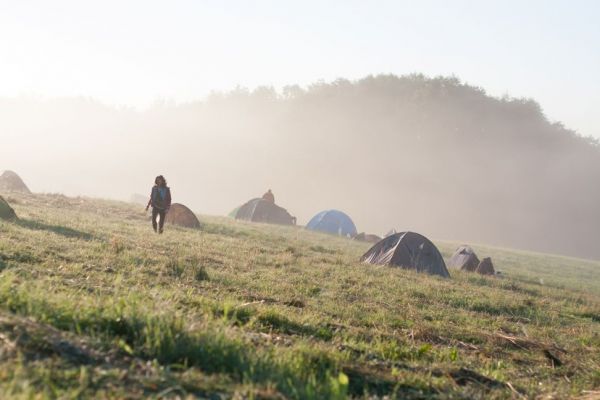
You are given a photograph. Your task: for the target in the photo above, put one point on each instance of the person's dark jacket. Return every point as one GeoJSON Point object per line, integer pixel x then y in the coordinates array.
{"type": "Point", "coordinates": [158, 200]}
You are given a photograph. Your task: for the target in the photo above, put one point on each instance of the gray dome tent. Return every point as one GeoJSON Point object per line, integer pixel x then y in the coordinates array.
{"type": "Point", "coordinates": [11, 182]}
{"type": "Point", "coordinates": [6, 211]}
{"type": "Point", "coordinates": [464, 258]}
{"type": "Point", "coordinates": [259, 210]}
{"type": "Point", "coordinates": [407, 250]}
{"type": "Point", "coordinates": [486, 267]}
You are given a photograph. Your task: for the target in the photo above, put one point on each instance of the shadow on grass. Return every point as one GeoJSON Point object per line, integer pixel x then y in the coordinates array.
{"type": "Point", "coordinates": [58, 229]}
{"type": "Point", "coordinates": [280, 323]}
{"type": "Point", "coordinates": [364, 380]}
{"type": "Point", "coordinates": [217, 229]}
{"type": "Point", "coordinates": [595, 316]}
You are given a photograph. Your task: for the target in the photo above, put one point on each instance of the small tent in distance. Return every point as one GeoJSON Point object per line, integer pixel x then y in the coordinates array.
{"type": "Point", "coordinates": [464, 258]}
{"type": "Point", "coordinates": [6, 211]}
{"type": "Point", "coordinates": [260, 210]}
{"type": "Point", "coordinates": [182, 216]}
{"type": "Point", "coordinates": [408, 250]}
{"type": "Point", "coordinates": [233, 212]}
{"type": "Point", "coordinates": [334, 222]}
{"type": "Point", "coordinates": [367, 237]}
{"type": "Point", "coordinates": [486, 267]}
{"type": "Point", "coordinates": [11, 182]}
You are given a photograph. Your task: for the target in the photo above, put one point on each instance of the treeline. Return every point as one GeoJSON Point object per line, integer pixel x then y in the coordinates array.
{"type": "Point", "coordinates": [411, 152]}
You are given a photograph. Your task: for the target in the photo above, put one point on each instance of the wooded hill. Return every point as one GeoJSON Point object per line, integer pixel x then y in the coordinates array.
{"type": "Point", "coordinates": [427, 154]}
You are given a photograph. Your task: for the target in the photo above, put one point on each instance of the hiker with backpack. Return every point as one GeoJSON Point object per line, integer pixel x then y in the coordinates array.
{"type": "Point", "coordinates": [160, 200]}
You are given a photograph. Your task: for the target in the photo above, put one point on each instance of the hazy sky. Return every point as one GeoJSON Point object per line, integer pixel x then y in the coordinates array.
{"type": "Point", "coordinates": [134, 52]}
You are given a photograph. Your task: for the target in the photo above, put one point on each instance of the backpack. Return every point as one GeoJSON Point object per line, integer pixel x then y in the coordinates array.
{"type": "Point", "coordinates": [159, 201]}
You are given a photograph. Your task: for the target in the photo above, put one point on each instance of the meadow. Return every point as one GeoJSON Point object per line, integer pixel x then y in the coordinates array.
{"type": "Point", "coordinates": [93, 304]}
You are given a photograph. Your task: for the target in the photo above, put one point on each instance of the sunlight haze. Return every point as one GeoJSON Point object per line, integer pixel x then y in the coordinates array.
{"type": "Point", "coordinates": [299, 199]}
{"type": "Point", "coordinates": [410, 115]}
{"type": "Point", "coordinates": [137, 52]}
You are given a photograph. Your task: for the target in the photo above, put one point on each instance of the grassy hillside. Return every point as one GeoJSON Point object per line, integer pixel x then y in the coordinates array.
{"type": "Point", "coordinates": [92, 304]}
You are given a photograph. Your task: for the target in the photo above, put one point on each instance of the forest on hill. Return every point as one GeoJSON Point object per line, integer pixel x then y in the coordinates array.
{"type": "Point", "coordinates": [432, 155]}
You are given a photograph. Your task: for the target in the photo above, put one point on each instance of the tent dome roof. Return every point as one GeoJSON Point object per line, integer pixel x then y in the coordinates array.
{"type": "Point", "coordinates": [408, 250]}
{"type": "Point", "coordinates": [181, 215]}
{"type": "Point", "coordinates": [332, 221]}
{"type": "Point", "coordinates": [10, 181]}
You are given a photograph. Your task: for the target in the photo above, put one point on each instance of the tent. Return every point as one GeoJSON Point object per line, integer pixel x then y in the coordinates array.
{"type": "Point", "coordinates": [259, 210]}
{"type": "Point", "coordinates": [367, 237]}
{"type": "Point", "coordinates": [11, 182]}
{"type": "Point", "coordinates": [407, 250]}
{"type": "Point", "coordinates": [464, 258]}
{"type": "Point", "coordinates": [6, 211]}
{"type": "Point", "coordinates": [486, 267]}
{"type": "Point", "coordinates": [233, 212]}
{"type": "Point", "coordinates": [332, 221]}
{"type": "Point", "coordinates": [181, 215]}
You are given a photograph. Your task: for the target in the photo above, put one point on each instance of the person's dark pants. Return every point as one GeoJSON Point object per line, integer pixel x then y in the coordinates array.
{"type": "Point", "coordinates": [156, 212]}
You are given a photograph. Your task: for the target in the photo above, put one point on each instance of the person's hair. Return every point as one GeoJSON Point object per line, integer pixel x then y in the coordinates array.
{"type": "Point", "coordinates": [160, 178]}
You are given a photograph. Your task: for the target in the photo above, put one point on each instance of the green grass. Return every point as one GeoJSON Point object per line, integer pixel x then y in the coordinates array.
{"type": "Point", "coordinates": [93, 304]}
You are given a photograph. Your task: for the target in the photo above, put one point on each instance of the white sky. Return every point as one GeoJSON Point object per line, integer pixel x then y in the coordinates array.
{"type": "Point", "coordinates": [134, 52]}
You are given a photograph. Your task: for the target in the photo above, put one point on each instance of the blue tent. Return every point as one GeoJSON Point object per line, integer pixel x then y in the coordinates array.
{"type": "Point", "coordinates": [332, 221]}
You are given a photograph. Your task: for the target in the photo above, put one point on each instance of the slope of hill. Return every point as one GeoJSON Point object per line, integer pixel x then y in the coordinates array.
{"type": "Point", "coordinates": [94, 305]}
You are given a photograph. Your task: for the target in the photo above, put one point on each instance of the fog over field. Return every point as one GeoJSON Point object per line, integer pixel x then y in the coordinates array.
{"type": "Point", "coordinates": [426, 154]}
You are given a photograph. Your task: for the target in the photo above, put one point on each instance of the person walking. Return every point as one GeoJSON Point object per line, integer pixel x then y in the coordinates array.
{"type": "Point", "coordinates": [160, 200]}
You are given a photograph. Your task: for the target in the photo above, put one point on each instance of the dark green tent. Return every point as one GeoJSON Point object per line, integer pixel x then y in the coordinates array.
{"type": "Point", "coordinates": [407, 250]}
{"type": "Point", "coordinates": [6, 211]}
